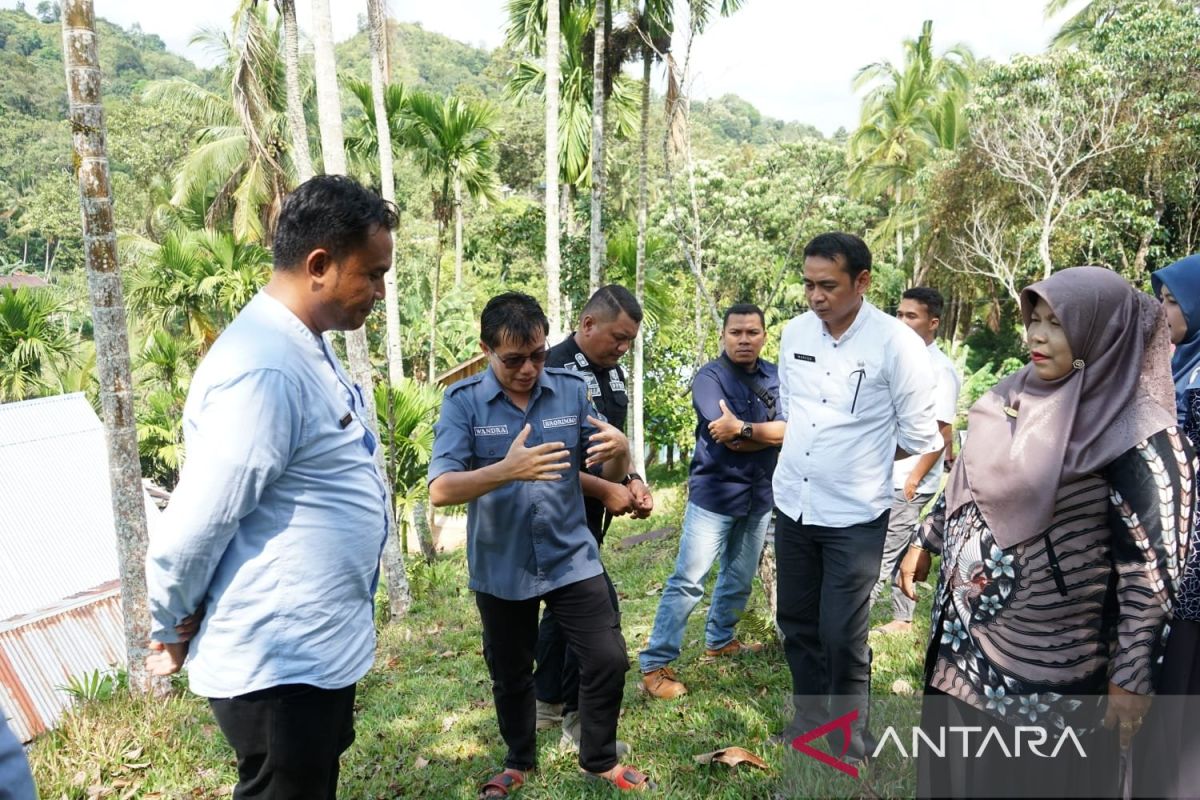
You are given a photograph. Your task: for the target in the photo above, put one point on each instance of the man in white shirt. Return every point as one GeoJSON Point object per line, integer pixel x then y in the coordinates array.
{"type": "Point", "coordinates": [858, 393]}
{"type": "Point", "coordinates": [916, 479]}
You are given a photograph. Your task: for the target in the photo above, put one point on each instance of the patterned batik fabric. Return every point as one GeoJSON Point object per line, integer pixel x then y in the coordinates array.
{"type": "Point", "coordinates": [1018, 633]}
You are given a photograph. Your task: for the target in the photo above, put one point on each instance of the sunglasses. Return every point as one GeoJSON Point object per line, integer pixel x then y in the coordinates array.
{"type": "Point", "coordinates": [517, 360]}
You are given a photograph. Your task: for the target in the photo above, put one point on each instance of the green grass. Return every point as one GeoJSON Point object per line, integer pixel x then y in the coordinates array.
{"type": "Point", "coordinates": [426, 727]}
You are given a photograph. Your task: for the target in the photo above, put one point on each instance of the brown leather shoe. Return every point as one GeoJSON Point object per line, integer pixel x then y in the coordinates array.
{"type": "Point", "coordinates": [734, 648]}
{"type": "Point", "coordinates": [663, 684]}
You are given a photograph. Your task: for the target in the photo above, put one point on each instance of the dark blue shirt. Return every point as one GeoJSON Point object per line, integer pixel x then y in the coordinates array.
{"type": "Point", "coordinates": [724, 481]}
{"type": "Point", "coordinates": [526, 538]}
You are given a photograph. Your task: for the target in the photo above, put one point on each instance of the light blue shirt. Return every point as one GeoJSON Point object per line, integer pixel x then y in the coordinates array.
{"type": "Point", "coordinates": [279, 518]}
{"type": "Point", "coordinates": [526, 538]}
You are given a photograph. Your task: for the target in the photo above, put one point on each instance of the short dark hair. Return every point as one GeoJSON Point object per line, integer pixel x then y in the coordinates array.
{"type": "Point", "coordinates": [856, 256]}
{"type": "Point", "coordinates": [329, 211]}
{"type": "Point", "coordinates": [609, 301]}
{"type": "Point", "coordinates": [928, 297]}
{"type": "Point", "coordinates": [743, 308]}
{"type": "Point", "coordinates": [514, 316]}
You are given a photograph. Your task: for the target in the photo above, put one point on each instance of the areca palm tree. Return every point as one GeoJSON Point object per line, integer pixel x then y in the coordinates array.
{"type": "Point", "coordinates": [243, 158]}
{"type": "Point", "coordinates": [453, 143]}
{"type": "Point", "coordinates": [295, 103]}
{"type": "Point", "coordinates": [35, 347]}
{"type": "Point", "coordinates": [406, 413]}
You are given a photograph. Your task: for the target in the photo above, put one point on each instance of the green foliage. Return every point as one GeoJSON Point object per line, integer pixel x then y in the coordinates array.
{"type": "Point", "coordinates": [97, 685]}
{"type": "Point", "coordinates": [35, 348]}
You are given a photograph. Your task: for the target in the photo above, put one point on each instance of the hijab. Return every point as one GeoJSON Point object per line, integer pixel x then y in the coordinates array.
{"type": "Point", "coordinates": [1027, 436]}
{"type": "Point", "coordinates": [1183, 279]}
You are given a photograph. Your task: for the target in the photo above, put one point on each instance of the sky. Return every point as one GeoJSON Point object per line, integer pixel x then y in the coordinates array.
{"type": "Point", "coordinates": [793, 59]}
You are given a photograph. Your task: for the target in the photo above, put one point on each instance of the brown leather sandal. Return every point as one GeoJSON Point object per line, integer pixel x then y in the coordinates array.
{"type": "Point", "coordinates": [625, 778]}
{"type": "Point", "coordinates": [502, 784]}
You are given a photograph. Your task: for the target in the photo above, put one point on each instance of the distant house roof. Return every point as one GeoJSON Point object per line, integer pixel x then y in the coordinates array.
{"type": "Point", "coordinates": [472, 366]}
{"type": "Point", "coordinates": [19, 279]}
{"type": "Point", "coordinates": [59, 579]}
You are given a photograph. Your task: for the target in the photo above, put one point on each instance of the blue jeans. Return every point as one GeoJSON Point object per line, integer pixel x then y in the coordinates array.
{"type": "Point", "coordinates": [738, 541]}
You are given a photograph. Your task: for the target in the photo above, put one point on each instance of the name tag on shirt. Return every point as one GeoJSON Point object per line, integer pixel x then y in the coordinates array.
{"type": "Point", "coordinates": [804, 357]}
{"type": "Point", "coordinates": [491, 430]}
{"type": "Point", "coordinates": [560, 422]}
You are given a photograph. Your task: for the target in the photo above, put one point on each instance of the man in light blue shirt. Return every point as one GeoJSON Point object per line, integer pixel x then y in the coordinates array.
{"type": "Point", "coordinates": [274, 532]}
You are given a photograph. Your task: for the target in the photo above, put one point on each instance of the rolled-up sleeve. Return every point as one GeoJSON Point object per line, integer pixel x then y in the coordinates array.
{"type": "Point", "coordinates": [912, 389]}
{"type": "Point", "coordinates": [452, 438]}
{"type": "Point", "coordinates": [945, 397]}
{"type": "Point", "coordinates": [240, 440]}
{"type": "Point", "coordinates": [707, 395]}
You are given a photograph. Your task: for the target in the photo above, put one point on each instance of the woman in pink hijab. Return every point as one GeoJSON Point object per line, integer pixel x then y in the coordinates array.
{"type": "Point", "coordinates": [1065, 526]}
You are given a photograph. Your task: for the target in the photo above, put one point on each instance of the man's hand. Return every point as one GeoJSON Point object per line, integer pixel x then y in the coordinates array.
{"type": "Point", "coordinates": [166, 659]}
{"type": "Point", "coordinates": [618, 500]}
{"type": "Point", "coordinates": [914, 569]}
{"type": "Point", "coordinates": [725, 428]}
{"type": "Point", "coordinates": [643, 501]}
{"type": "Point", "coordinates": [910, 487]}
{"type": "Point", "coordinates": [606, 444]}
{"type": "Point", "coordinates": [1126, 709]}
{"type": "Point", "coordinates": [543, 462]}
{"type": "Point", "coordinates": [190, 624]}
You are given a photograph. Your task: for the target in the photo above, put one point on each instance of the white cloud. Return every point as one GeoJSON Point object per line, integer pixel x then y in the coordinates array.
{"type": "Point", "coordinates": [793, 59]}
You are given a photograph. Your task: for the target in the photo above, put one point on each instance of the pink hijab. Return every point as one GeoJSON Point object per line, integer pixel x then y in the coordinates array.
{"type": "Point", "coordinates": [1027, 437]}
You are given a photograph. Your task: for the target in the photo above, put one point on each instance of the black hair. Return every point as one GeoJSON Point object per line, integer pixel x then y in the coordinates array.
{"type": "Point", "coordinates": [743, 308]}
{"type": "Point", "coordinates": [514, 316]}
{"type": "Point", "coordinates": [333, 212]}
{"type": "Point", "coordinates": [930, 298]}
{"type": "Point", "coordinates": [609, 301]}
{"type": "Point", "coordinates": [856, 256]}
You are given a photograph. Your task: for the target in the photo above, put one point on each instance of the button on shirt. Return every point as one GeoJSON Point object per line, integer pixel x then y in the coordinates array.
{"type": "Point", "coordinates": [606, 389]}
{"type": "Point", "coordinates": [279, 518]}
{"type": "Point", "coordinates": [849, 402]}
{"type": "Point", "coordinates": [945, 408]}
{"type": "Point", "coordinates": [526, 538]}
{"type": "Point", "coordinates": [721, 480]}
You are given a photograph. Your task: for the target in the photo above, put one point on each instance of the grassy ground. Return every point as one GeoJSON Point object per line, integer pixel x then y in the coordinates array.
{"type": "Point", "coordinates": [425, 723]}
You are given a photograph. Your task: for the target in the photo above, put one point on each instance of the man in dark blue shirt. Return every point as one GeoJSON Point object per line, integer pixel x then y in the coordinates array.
{"type": "Point", "coordinates": [739, 428]}
{"type": "Point", "coordinates": [511, 443]}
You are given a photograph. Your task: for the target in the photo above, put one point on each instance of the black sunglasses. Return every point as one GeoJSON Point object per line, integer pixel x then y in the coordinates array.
{"type": "Point", "coordinates": [517, 360]}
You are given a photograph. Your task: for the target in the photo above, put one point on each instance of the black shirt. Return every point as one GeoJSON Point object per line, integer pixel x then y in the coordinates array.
{"type": "Point", "coordinates": [606, 389]}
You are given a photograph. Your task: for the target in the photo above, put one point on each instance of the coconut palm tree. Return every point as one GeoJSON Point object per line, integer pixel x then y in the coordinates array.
{"type": "Point", "coordinates": [295, 104]}
{"type": "Point", "coordinates": [35, 347]}
{"type": "Point", "coordinates": [243, 160]}
{"type": "Point", "coordinates": [453, 143]}
{"type": "Point", "coordinates": [909, 113]}
{"type": "Point", "coordinates": [1093, 16]}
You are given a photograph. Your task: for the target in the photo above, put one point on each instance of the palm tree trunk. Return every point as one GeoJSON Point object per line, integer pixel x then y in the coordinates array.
{"type": "Point", "coordinates": [437, 279]}
{"type": "Point", "coordinates": [387, 180]}
{"type": "Point", "coordinates": [458, 234]}
{"type": "Point", "coordinates": [553, 254]}
{"type": "Point", "coordinates": [358, 352]}
{"type": "Point", "coordinates": [597, 250]}
{"type": "Point", "coordinates": [295, 105]}
{"type": "Point", "coordinates": [639, 362]}
{"type": "Point", "coordinates": [81, 61]}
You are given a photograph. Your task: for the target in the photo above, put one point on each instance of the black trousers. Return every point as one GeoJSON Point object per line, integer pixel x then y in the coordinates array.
{"type": "Point", "coordinates": [510, 630]}
{"type": "Point", "coordinates": [824, 581]}
{"type": "Point", "coordinates": [288, 739]}
{"type": "Point", "coordinates": [556, 679]}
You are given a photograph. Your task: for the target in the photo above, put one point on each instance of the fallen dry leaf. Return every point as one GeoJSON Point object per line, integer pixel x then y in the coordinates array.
{"type": "Point", "coordinates": [421, 762]}
{"type": "Point", "coordinates": [133, 754]}
{"type": "Point", "coordinates": [732, 756]}
{"type": "Point", "coordinates": [903, 688]}
{"type": "Point", "coordinates": [448, 722]}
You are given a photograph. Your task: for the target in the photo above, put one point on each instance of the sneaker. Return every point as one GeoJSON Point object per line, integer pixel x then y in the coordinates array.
{"type": "Point", "coordinates": [663, 684]}
{"type": "Point", "coordinates": [549, 715]}
{"type": "Point", "coordinates": [572, 731]}
{"type": "Point", "coordinates": [734, 648]}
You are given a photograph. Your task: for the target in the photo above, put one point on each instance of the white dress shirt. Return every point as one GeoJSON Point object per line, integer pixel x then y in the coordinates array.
{"type": "Point", "coordinates": [279, 517]}
{"type": "Point", "coordinates": [850, 402]}
{"type": "Point", "coordinates": [945, 409]}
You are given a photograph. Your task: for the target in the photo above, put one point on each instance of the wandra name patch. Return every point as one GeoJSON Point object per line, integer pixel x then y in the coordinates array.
{"type": "Point", "coordinates": [560, 422]}
{"type": "Point", "coordinates": [491, 430]}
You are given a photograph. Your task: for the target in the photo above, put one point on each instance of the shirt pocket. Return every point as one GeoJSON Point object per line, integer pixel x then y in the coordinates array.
{"type": "Point", "coordinates": [488, 450]}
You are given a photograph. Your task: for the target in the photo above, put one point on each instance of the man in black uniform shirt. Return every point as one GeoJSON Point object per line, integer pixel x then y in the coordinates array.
{"type": "Point", "coordinates": [608, 325]}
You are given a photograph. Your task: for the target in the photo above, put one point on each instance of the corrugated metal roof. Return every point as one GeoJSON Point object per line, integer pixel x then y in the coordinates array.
{"type": "Point", "coordinates": [56, 531]}
{"type": "Point", "coordinates": [39, 656]}
{"type": "Point", "coordinates": [18, 280]}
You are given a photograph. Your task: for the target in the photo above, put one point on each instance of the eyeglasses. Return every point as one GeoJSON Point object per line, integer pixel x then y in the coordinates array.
{"type": "Point", "coordinates": [517, 360]}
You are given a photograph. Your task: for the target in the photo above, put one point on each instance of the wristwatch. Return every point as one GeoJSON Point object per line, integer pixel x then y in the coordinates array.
{"type": "Point", "coordinates": [630, 478]}
{"type": "Point", "coordinates": [747, 431]}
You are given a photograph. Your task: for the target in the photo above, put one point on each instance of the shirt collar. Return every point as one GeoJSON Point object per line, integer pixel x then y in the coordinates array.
{"type": "Point", "coordinates": [860, 321]}
{"type": "Point", "coordinates": [491, 388]}
{"type": "Point", "coordinates": [284, 318]}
